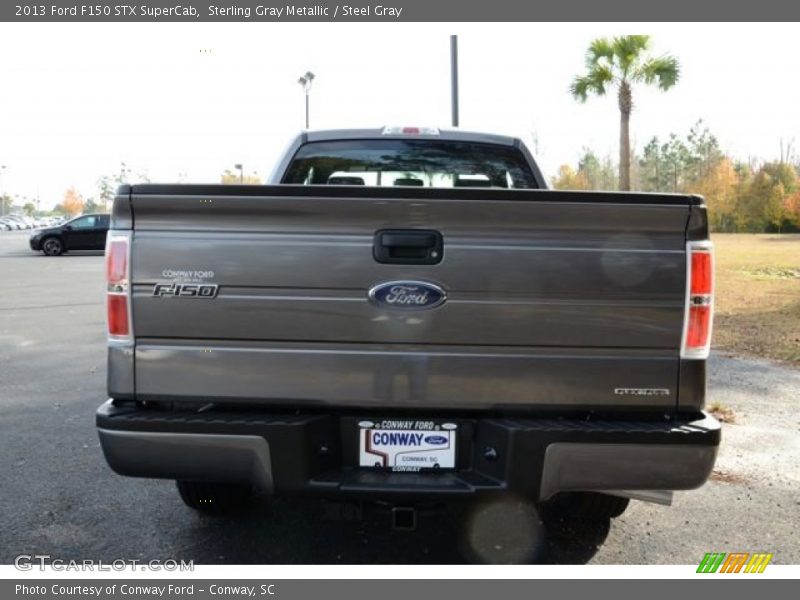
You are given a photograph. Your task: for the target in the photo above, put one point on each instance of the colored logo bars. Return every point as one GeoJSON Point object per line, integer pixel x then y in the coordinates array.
{"type": "Point", "coordinates": [736, 562]}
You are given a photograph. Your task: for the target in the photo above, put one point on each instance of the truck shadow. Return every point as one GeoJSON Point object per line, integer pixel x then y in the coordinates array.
{"type": "Point", "coordinates": [305, 532]}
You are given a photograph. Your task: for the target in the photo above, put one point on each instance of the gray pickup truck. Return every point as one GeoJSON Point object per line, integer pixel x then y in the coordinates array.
{"type": "Point", "coordinates": [407, 314]}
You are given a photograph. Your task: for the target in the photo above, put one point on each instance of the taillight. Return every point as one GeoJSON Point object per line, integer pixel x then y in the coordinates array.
{"type": "Point", "coordinates": [699, 307]}
{"type": "Point", "coordinates": [118, 316]}
{"type": "Point", "coordinates": [118, 287]}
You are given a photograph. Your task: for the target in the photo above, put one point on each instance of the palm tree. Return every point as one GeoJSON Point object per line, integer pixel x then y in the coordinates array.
{"type": "Point", "coordinates": [620, 63]}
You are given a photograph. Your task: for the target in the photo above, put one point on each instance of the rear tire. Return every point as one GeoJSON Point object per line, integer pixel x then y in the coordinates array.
{"type": "Point", "coordinates": [214, 498]}
{"type": "Point", "coordinates": [588, 505]}
{"type": "Point", "coordinates": [52, 246]}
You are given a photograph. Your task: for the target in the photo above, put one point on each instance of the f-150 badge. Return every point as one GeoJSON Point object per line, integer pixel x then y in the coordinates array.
{"type": "Point", "coordinates": [185, 290]}
{"type": "Point", "coordinates": [407, 295]}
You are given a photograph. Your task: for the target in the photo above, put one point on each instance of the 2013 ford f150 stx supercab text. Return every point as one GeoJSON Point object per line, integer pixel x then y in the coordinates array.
{"type": "Point", "coordinates": [407, 314]}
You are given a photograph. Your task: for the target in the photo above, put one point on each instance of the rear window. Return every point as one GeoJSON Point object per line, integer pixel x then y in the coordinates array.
{"type": "Point", "coordinates": [414, 163]}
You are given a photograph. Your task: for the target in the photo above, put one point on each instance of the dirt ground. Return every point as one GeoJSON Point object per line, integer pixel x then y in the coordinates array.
{"type": "Point", "coordinates": [758, 296]}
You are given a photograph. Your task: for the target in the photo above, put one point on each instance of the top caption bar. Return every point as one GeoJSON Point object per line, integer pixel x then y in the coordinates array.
{"type": "Point", "coordinates": [403, 11]}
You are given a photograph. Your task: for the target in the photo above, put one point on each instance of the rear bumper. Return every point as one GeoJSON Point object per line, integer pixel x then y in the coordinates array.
{"type": "Point", "coordinates": [317, 454]}
{"type": "Point", "coordinates": [35, 244]}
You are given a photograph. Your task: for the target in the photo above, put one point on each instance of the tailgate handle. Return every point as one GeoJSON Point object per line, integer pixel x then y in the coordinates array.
{"type": "Point", "coordinates": [408, 246]}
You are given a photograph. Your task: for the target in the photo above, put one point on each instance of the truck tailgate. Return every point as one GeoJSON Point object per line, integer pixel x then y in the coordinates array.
{"type": "Point", "coordinates": [553, 298]}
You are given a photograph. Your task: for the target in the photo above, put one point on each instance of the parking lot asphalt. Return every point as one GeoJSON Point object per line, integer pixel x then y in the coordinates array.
{"type": "Point", "coordinates": [58, 497]}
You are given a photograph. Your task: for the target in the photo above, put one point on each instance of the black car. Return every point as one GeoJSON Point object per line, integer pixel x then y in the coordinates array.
{"type": "Point", "coordinates": [87, 232]}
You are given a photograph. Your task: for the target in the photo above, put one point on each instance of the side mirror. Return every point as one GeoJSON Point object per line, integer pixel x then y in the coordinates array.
{"type": "Point", "coordinates": [67, 227]}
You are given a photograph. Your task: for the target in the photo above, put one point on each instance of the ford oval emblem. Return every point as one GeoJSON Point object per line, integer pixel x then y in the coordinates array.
{"type": "Point", "coordinates": [407, 295]}
{"type": "Point", "coordinates": [436, 440]}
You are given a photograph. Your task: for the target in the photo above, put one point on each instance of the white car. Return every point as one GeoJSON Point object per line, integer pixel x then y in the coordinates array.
{"type": "Point", "coordinates": [13, 224]}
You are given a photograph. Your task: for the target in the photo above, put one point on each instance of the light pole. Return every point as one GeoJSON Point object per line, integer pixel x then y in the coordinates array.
{"type": "Point", "coordinates": [454, 79]}
{"type": "Point", "coordinates": [241, 172]}
{"type": "Point", "coordinates": [305, 81]}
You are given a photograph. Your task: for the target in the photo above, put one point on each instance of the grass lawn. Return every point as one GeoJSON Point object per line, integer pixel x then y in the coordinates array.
{"type": "Point", "coordinates": [758, 295]}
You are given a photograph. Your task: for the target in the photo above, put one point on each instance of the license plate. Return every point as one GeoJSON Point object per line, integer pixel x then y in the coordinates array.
{"type": "Point", "coordinates": [407, 445]}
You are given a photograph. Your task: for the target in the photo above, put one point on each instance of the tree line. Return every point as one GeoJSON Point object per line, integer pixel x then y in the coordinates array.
{"type": "Point", "coordinates": [742, 196]}
{"type": "Point", "coordinates": [74, 203]}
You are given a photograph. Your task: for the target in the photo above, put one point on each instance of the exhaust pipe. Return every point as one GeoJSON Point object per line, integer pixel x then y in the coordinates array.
{"type": "Point", "coordinates": [404, 518]}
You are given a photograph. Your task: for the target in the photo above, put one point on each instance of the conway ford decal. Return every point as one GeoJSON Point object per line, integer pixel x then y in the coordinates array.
{"type": "Point", "coordinates": [407, 295]}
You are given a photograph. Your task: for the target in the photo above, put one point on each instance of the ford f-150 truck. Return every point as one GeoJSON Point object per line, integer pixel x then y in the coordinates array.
{"type": "Point", "coordinates": [407, 314]}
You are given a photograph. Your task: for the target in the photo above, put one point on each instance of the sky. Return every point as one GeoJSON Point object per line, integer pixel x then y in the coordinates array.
{"type": "Point", "coordinates": [184, 101]}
